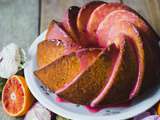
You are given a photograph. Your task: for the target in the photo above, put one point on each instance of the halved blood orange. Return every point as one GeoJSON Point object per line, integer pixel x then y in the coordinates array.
{"type": "Point", "coordinates": [16, 97]}
{"type": "Point", "coordinates": [158, 109]}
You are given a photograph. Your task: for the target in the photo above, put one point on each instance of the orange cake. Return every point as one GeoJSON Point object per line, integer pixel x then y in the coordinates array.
{"type": "Point", "coordinates": [98, 55]}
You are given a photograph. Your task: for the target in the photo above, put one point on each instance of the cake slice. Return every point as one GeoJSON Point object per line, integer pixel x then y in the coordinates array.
{"type": "Point", "coordinates": [98, 15]}
{"type": "Point", "coordinates": [69, 22]}
{"type": "Point", "coordinates": [48, 51]}
{"type": "Point", "coordinates": [62, 71]}
{"type": "Point", "coordinates": [83, 18]}
{"type": "Point", "coordinates": [56, 32]}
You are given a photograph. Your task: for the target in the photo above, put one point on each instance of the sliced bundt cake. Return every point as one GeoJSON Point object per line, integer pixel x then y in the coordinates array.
{"type": "Point", "coordinates": [100, 54]}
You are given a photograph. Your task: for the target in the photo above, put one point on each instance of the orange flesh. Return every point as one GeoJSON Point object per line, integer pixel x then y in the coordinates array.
{"type": "Point", "coordinates": [14, 96]}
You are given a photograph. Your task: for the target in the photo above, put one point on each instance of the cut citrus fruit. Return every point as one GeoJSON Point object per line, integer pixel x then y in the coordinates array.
{"type": "Point", "coordinates": [158, 109]}
{"type": "Point", "coordinates": [16, 97]}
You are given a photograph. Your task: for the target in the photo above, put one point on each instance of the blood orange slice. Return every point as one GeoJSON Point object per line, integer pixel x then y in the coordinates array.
{"type": "Point", "coordinates": [158, 109]}
{"type": "Point", "coordinates": [16, 97]}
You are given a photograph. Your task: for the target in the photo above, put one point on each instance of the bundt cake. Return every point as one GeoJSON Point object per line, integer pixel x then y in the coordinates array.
{"type": "Point", "coordinates": [100, 54]}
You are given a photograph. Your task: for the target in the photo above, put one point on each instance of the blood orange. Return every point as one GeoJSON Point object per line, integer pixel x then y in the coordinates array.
{"type": "Point", "coordinates": [16, 97]}
{"type": "Point", "coordinates": [158, 109]}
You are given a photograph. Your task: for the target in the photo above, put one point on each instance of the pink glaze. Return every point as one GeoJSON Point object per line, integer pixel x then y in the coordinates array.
{"type": "Point", "coordinates": [96, 109]}
{"type": "Point", "coordinates": [110, 82]}
{"type": "Point", "coordinates": [99, 108]}
{"type": "Point", "coordinates": [140, 53]}
{"type": "Point", "coordinates": [103, 38]}
{"type": "Point", "coordinates": [92, 109]}
{"type": "Point", "coordinates": [58, 99]}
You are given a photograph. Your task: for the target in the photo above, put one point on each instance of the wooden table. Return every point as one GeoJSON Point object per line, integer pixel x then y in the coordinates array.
{"type": "Point", "coordinates": [22, 20]}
